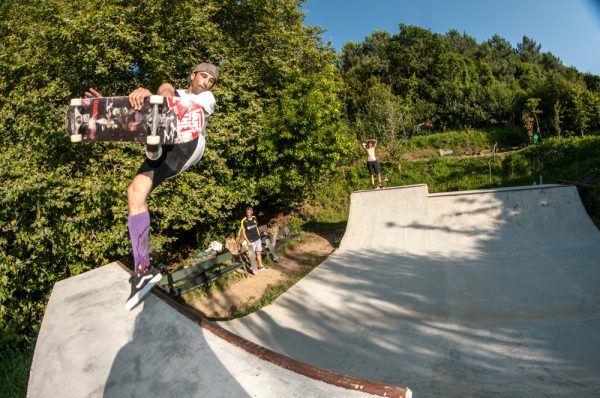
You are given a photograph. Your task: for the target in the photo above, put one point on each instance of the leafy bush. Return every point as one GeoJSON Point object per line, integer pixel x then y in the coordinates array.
{"type": "Point", "coordinates": [277, 130]}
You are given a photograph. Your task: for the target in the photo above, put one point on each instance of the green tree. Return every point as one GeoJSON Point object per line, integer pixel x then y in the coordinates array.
{"type": "Point", "coordinates": [382, 115]}
{"type": "Point", "coordinates": [557, 118]}
{"type": "Point", "coordinates": [580, 110]}
{"type": "Point", "coordinates": [464, 44]}
{"type": "Point", "coordinates": [530, 117]}
{"type": "Point", "coordinates": [499, 54]}
{"type": "Point", "coordinates": [529, 51]}
{"type": "Point", "coordinates": [63, 207]}
{"type": "Point", "coordinates": [304, 138]}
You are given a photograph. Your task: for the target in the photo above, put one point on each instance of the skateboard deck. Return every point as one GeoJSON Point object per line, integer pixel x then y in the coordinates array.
{"type": "Point", "coordinates": [270, 243]}
{"type": "Point", "coordinates": [162, 120]}
{"type": "Point", "coordinates": [252, 256]}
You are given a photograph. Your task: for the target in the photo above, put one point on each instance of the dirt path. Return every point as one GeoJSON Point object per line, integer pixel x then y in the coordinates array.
{"type": "Point", "coordinates": [299, 256]}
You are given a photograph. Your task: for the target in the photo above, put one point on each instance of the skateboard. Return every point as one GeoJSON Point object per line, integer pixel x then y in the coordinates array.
{"type": "Point", "coordinates": [270, 243]}
{"type": "Point", "coordinates": [162, 120]}
{"type": "Point", "coordinates": [252, 256]}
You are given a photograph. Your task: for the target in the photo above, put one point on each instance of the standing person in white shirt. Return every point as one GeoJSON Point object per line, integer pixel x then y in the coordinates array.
{"type": "Point", "coordinates": [372, 165]}
{"type": "Point", "coordinates": [163, 162]}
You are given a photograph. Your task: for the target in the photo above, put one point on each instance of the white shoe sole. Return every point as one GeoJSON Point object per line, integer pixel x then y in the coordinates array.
{"type": "Point", "coordinates": [154, 155]}
{"type": "Point", "coordinates": [132, 302]}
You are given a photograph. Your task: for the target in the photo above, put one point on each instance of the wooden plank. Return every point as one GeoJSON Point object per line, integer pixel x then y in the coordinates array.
{"type": "Point", "coordinates": [194, 268]}
{"type": "Point", "coordinates": [200, 280]}
{"type": "Point", "coordinates": [192, 276]}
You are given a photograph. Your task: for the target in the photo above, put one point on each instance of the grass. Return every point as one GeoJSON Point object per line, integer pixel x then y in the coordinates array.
{"type": "Point", "coordinates": [272, 292]}
{"type": "Point", "coordinates": [460, 142]}
{"type": "Point", "coordinates": [14, 371]}
{"type": "Point", "coordinates": [555, 160]}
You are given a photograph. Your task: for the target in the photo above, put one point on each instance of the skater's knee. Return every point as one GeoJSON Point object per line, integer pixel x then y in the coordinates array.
{"type": "Point", "coordinates": [136, 193]}
{"type": "Point", "coordinates": [166, 90]}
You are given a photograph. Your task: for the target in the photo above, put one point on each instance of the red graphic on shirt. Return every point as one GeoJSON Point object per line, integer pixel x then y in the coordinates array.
{"type": "Point", "coordinates": [190, 118]}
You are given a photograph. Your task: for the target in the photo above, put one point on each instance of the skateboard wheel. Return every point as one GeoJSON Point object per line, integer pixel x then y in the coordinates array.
{"type": "Point", "coordinates": [76, 138]}
{"type": "Point", "coordinates": [76, 102]}
{"type": "Point", "coordinates": [156, 99]}
{"type": "Point", "coordinates": [153, 140]}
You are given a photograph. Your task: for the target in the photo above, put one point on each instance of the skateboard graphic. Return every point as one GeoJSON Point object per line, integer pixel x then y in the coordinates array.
{"type": "Point", "coordinates": [162, 120]}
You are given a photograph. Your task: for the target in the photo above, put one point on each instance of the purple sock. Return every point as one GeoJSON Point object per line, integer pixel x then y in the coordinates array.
{"type": "Point", "coordinates": [139, 232]}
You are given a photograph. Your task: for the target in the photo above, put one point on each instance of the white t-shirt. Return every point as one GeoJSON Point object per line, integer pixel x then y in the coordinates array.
{"type": "Point", "coordinates": [206, 100]}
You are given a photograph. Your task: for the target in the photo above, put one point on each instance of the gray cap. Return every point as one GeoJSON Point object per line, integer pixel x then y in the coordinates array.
{"type": "Point", "coordinates": [208, 68]}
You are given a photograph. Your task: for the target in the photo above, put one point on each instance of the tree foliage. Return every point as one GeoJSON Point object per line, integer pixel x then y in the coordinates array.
{"type": "Point", "coordinates": [278, 128]}
{"type": "Point", "coordinates": [454, 82]}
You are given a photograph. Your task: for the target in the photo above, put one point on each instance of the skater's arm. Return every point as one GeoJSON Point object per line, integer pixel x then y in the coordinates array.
{"type": "Point", "coordinates": [166, 90]}
{"type": "Point", "coordinates": [136, 98]}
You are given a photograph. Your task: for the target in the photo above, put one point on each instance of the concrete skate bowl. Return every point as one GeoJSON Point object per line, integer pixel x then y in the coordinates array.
{"type": "Point", "coordinates": [488, 293]}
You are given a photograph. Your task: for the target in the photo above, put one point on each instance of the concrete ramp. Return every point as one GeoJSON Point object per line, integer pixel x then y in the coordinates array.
{"type": "Point", "coordinates": [89, 346]}
{"type": "Point", "coordinates": [489, 293]}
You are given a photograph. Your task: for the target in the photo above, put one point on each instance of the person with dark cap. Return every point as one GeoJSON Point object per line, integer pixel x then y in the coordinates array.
{"type": "Point", "coordinates": [161, 163]}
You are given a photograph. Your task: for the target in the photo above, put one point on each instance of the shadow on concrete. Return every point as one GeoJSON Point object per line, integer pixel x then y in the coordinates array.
{"type": "Point", "coordinates": [168, 356]}
{"type": "Point", "coordinates": [500, 298]}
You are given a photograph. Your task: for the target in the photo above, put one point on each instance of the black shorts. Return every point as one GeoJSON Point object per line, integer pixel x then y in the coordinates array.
{"type": "Point", "coordinates": [173, 160]}
{"type": "Point", "coordinates": [373, 167]}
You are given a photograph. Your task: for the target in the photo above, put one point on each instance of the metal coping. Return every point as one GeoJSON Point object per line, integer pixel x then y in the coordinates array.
{"type": "Point", "coordinates": [293, 365]}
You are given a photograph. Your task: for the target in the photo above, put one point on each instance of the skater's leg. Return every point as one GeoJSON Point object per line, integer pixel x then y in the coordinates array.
{"type": "Point", "coordinates": [139, 219]}
{"type": "Point", "coordinates": [371, 172]}
{"type": "Point", "coordinates": [145, 277]}
{"type": "Point", "coordinates": [378, 172]}
{"type": "Point", "coordinates": [138, 192]}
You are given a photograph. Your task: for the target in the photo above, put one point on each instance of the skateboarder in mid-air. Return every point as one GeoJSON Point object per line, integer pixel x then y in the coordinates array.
{"type": "Point", "coordinates": [162, 162]}
{"type": "Point", "coordinates": [372, 165]}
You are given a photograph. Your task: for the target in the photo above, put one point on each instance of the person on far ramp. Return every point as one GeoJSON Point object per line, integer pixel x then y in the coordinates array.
{"type": "Point", "coordinates": [372, 164]}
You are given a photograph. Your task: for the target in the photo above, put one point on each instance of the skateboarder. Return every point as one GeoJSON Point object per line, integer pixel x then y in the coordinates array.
{"type": "Point", "coordinates": [250, 231]}
{"type": "Point", "coordinates": [162, 162]}
{"type": "Point", "coordinates": [372, 165]}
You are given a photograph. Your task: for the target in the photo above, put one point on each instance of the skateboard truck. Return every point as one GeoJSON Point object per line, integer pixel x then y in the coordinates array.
{"type": "Point", "coordinates": [78, 120]}
{"type": "Point", "coordinates": [153, 138]}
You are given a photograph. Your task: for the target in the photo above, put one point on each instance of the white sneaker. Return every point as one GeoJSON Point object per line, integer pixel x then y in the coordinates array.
{"type": "Point", "coordinates": [141, 284]}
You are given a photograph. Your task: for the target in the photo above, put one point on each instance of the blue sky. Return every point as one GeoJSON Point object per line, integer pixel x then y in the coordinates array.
{"type": "Point", "coordinates": [569, 29]}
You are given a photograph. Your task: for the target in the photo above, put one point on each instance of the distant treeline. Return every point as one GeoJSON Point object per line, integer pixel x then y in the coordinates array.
{"type": "Point", "coordinates": [395, 82]}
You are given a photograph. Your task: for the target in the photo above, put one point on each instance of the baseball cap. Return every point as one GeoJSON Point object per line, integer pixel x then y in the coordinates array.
{"type": "Point", "coordinates": [208, 68]}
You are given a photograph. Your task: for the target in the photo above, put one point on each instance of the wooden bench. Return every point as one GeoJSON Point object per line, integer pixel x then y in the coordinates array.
{"type": "Point", "coordinates": [194, 275]}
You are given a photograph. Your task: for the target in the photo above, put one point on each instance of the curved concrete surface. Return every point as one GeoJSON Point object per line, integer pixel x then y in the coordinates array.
{"type": "Point", "coordinates": [89, 346]}
{"type": "Point", "coordinates": [490, 293]}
